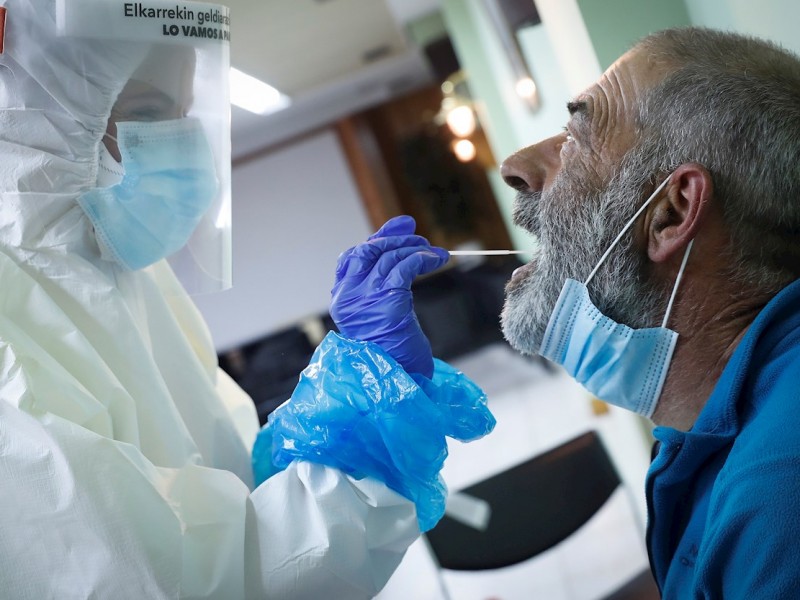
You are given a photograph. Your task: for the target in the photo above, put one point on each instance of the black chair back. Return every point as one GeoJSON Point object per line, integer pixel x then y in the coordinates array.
{"type": "Point", "coordinates": [535, 505]}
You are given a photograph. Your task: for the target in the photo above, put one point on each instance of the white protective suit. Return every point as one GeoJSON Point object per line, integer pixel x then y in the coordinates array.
{"type": "Point", "coordinates": [123, 473]}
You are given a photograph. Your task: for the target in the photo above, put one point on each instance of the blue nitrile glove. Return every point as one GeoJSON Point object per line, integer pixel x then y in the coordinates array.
{"type": "Point", "coordinates": [371, 300]}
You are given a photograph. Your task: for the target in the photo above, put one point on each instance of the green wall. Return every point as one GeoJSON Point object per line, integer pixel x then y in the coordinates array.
{"type": "Point", "coordinates": [776, 20]}
{"type": "Point", "coordinates": [427, 29]}
{"type": "Point", "coordinates": [615, 25]}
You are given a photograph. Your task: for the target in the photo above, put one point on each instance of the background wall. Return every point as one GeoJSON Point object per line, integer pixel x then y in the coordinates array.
{"type": "Point", "coordinates": [295, 210]}
{"type": "Point", "coordinates": [776, 20]}
{"type": "Point", "coordinates": [615, 25]}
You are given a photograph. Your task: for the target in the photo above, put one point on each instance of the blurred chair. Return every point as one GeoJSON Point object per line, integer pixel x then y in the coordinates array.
{"type": "Point", "coordinates": [447, 315]}
{"type": "Point", "coordinates": [535, 506]}
{"type": "Point", "coordinates": [459, 308]}
{"type": "Point", "coordinates": [269, 368]}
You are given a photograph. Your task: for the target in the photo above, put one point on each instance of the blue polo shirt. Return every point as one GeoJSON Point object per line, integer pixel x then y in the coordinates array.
{"type": "Point", "coordinates": [724, 498]}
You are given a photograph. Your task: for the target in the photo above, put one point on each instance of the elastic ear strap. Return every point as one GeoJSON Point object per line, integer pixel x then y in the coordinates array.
{"type": "Point", "coordinates": [677, 282]}
{"type": "Point", "coordinates": [626, 228]}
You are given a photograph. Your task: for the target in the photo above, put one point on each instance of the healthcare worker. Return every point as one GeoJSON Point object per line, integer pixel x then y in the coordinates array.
{"type": "Point", "coordinates": [125, 462]}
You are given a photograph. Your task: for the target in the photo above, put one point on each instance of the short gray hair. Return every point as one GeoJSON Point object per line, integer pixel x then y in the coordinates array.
{"type": "Point", "coordinates": [732, 104]}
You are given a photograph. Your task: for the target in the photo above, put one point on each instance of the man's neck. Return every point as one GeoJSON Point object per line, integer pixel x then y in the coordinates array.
{"type": "Point", "coordinates": [709, 329]}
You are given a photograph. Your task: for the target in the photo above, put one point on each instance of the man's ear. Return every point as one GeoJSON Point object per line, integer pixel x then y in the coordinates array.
{"type": "Point", "coordinates": [676, 216]}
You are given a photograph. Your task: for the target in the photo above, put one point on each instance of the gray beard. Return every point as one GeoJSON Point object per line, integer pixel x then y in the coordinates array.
{"type": "Point", "coordinates": [569, 248]}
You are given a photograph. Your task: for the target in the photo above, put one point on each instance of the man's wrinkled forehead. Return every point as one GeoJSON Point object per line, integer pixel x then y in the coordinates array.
{"type": "Point", "coordinates": [609, 106]}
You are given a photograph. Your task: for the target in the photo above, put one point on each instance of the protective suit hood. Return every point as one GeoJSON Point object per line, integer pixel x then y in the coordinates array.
{"type": "Point", "coordinates": [52, 117]}
{"type": "Point", "coordinates": [65, 66]}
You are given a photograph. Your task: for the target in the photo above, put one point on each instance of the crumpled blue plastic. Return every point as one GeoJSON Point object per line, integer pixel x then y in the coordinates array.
{"type": "Point", "coordinates": [357, 410]}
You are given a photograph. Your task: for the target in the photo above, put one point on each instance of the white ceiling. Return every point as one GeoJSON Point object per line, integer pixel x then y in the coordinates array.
{"type": "Point", "coordinates": [332, 57]}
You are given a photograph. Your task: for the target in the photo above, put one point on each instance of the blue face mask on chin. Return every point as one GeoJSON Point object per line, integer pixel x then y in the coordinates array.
{"type": "Point", "coordinates": [168, 185]}
{"type": "Point", "coordinates": [620, 365]}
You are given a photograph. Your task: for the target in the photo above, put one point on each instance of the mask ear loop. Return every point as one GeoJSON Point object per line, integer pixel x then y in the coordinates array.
{"type": "Point", "coordinates": [677, 282]}
{"type": "Point", "coordinates": [626, 228]}
{"type": "Point", "coordinates": [624, 231]}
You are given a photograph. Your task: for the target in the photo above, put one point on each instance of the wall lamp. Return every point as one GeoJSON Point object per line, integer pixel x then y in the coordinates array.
{"type": "Point", "coordinates": [508, 16]}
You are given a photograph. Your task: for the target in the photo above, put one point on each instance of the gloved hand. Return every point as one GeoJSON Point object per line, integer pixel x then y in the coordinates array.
{"type": "Point", "coordinates": [371, 300]}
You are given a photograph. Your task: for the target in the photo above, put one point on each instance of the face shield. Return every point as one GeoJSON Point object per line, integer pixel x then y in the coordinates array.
{"type": "Point", "coordinates": [169, 127]}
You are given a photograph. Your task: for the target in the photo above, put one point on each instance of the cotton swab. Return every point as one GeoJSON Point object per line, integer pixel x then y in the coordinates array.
{"type": "Point", "coordinates": [485, 252]}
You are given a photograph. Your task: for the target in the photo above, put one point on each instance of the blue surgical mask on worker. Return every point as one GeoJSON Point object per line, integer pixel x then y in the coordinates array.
{"type": "Point", "coordinates": [620, 365]}
{"type": "Point", "coordinates": [168, 184]}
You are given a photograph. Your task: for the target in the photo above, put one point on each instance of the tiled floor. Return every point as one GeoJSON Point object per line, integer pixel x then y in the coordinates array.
{"type": "Point", "coordinates": [537, 409]}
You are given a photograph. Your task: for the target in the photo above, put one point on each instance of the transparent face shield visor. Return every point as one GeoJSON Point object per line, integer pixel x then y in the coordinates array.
{"type": "Point", "coordinates": [181, 72]}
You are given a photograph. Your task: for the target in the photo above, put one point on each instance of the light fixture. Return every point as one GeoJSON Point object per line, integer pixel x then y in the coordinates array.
{"type": "Point", "coordinates": [507, 35]}
{"type": "Point", "coordinates": [461, 121]}
{"type": "Point", "coordinates": [456, 110]}
{"type": "Point", "coordinates": [464, 150]}
{"type": "Point", "coordinates": [526, 88]}
{"type": "Point", "coordinates": [254, 95]}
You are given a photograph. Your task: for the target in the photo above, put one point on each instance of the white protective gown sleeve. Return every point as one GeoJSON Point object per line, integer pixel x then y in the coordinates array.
{"type": "Point", "coordinates": [124, 452]}
{"type": "Point", "coordinates": [123, 474]}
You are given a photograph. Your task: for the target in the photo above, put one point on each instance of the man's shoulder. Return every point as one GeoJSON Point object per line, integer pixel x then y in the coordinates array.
{"type": "Point", "coordinates": [769, 405]}
{"type": "Point", "coordinates": [766, 449]}
{"type": "Point", "coordinates": [752, 522]}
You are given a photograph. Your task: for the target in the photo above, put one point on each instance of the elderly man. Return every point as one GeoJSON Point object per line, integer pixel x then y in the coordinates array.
{"type": "Point", "coordinates": [682, 160]}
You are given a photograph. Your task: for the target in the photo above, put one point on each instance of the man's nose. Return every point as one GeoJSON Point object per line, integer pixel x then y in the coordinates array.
{"type": "Point", "coordinates": [530, 169]}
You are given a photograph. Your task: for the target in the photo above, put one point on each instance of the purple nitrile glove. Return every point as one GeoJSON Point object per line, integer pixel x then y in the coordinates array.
{"type": "Point", "coordinates": [371, 299]}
